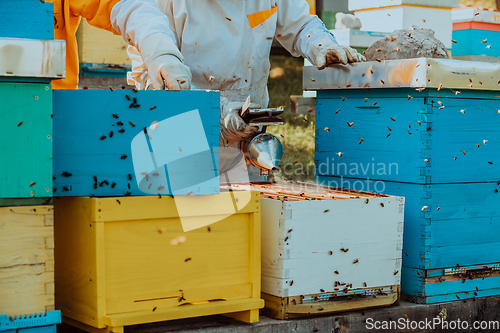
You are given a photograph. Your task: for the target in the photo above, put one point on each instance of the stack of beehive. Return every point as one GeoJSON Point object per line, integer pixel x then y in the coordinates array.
{"type": "Point", "coordinates": [128, 252]}
{"type": "Point", "coordinates": [476, 33]}
{"type": "Point", "coordinates": [425, 129]}
{"type": "Point", "coordinates": [26, 211]}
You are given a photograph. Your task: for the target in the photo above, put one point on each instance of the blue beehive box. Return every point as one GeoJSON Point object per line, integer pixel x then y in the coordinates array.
{"type": "Point", "coordinates": [426, 130]}
{"type": "Point", "coordinates": [126, 142]}
{"type": "Point", "coordinates": [32, 19]}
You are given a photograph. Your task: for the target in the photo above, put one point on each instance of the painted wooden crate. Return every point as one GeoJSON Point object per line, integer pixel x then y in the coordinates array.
{"type": "Point", "coordinates": [26, 260]}
{"type": "Point", "coordinates": [97, 46]}
{"type": "Point", "coordinates": [27, 19]}
{"type": "Point", "coordinates": [326, 250]}
{"type": "Point", "coordinates": [121, 142]}
{"type": "Point", "coordinates": [126, 261]}
{"type": "Point", "coordinates": [25, 142]}
{"type": "Point", "coordinates": [475, 31]}
{"type": "Point", "coordinates": [31, 323]}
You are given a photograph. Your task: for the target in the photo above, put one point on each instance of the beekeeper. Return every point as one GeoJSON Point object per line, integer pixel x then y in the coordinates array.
{"type": "Point", "coordinates": [223, 45]}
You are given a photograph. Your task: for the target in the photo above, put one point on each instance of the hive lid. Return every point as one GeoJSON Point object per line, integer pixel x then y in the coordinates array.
{"type": "Point", "coordinates": [405, 73]}
{"type": "Point", "coordinates": [369, 4]}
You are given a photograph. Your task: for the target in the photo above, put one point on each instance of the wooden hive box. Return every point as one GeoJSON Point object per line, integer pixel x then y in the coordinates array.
{"type": "Point", "coordinates": [45, 322]}
{"type": "Point", "coordinates": [325, 250]}
{"type": "Point", "coordinates": [97, 46]}
{"type": "Point", "coordinates": [475, 31]}
{"type": "Point", "coordinates": [26, 260]}
{"type": "Point", "coordinates": [430, 135]}
{"type": "Point", "coordinates": [115, 143]}
{"type": "Point", "coordinates": [126, 261]}
{"type": "Point", "coordinates": [27, 19]}
{"type": "Point", "coordinates": [25, 143]}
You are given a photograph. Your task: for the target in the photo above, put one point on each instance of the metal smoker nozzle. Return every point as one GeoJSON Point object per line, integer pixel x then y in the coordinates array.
{"type": "Point", "coordinates": [263, 151]}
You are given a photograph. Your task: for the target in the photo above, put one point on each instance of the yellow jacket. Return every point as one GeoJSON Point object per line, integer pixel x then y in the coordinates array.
{"type": "Point", "coordinates": [67, 16]}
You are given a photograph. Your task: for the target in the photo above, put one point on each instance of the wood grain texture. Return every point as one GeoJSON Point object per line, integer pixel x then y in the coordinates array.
{"type": "Point", "coordinates": [82, 117]}
{"type": "Point", "coordinates": [25, 140]}
{"type": "Point", "coordinates": [303, 244]}
{"type": "Point", "coordinates": [149, 268]}
{"type": "Point", "coordinates": [444, 133]}
{"type": "Point", "coordinates": [26, 261]}
{"type": "Point", "coordinates": [32, 19]}
{"type": "Point", "coordinates": [100, 46]}
{"type": "Point", "coordinates": [463, 231]}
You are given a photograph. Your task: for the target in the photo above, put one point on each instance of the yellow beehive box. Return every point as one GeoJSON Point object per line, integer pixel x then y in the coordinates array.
{"type": "Point", "coordinates": [26, 260]}
{"type": "Point", "coordinates": [97, 46]}
{"type": "Point", "coordinates": [126, 261]}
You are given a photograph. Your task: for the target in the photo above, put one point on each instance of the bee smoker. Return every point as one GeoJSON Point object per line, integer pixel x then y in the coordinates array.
{"type": "Point", "coordinates": [262, 150]}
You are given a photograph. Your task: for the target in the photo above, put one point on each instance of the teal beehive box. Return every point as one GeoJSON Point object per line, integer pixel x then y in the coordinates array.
{"type": "Point", "coordinates": [425, 129]}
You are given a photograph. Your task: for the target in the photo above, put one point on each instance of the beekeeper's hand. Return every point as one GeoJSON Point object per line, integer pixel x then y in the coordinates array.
{"type": "Point", "coordinates": [233, 128]}
{"type": "Point", "coordinates": [327, 52]}
{"type": "Point", "coordinates": [164, 63]}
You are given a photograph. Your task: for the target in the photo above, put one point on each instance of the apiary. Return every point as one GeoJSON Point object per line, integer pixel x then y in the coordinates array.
{"type": "Point", "coordinates": [326, 250]}
{"type": "Point", "coordinates": [475, 32]}
{"type": "Point", "coordinates": [128, 142]}
{"type": "Point", "coordinates": [126, 261]}
{"type": "Point", "coordinates": [424, 129]}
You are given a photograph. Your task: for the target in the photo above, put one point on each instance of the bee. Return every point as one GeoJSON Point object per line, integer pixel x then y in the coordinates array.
{"type": "Point", "coordinates": [326, 129]}
{"type": "Point", "coordinates": [118, 201]}
{"type": "Point", "coordinates": [128, 185]}
{"type": "Point", "coordinates": [442, 107]}
{"type": "Point", "coordinates": [127, 194]}
{"type": "Point", "coordinates": [145, 129]}
{"type": "Point", "coordinates": [393, 119]}
{"type": "Point", "coordinates": [355, 261]}
{"type": "Point", "coordinates": [378, 60]}
{"type": "Point", "coordinates": [103, 137]}
{"type": "Point", "coordinates": [290, 230]}
{"type": "Point", "coordinates": [227, 18]}
{"type": "Point", "coordinates": [156, 174]}
{"type": "Point", "coordinates": [131, 124]}
{"type": "Point", "coordinates": [124, 156]}
{"type": "Point", "coordinates": [440, 103]}
{"type": "Point", "coordinates": [455, 158]}
{"type": "Point", "coordinates": [127, 97]}
{"type": "Point", "coordinates": [111, 134]}
{"type": "Point", "coordinates": [136, 105]}
{"type": "Point", "coordinates": [180, 149]}
{"type": "Point", "coordinates": [344, 250]}
{"type": "Point", "coordinates": [330, 253]}
{"type": "Point", "coordinates": [19, 124]}
{"type": "Point", "coordinates": [129, 176]}
{"type": "Point", "coordinates": [424, 208]}
{"type": "Point", "coordinates": [457, 92]}
{"type": "Point", "coordinates": [336, 272]}
{"type": "Point", "coordinates": [161, 188]}
{"type": "Point", "coordinates": [337, 111]}
{"type": "Point", "coordinates": [470, 80]}
{"type": "Point", "coordinates": [388, 134]}
{"type": "Point", "coordinates": [152, 108]}
{"type": "Point", "coordinates": [340, 154]}
{"type": "Point", "coordinates": [322, 290]}
{"type": "Point", "coordinates": [121, 131]}
{"type": "Point", "coordinates": [343, 99]}
{"type": "Point", "coordinates": [484, 40]}
{"type": "Point", "coordinates": [361, 140]}
{"type": "Point", "coordinates": [381, 204]}
{"type": "Point", "coordinates": [134, 90]}
{"type": "Point", "coordinates": [463, 152]}
{"type": "Point", "coordinates": [396, 272]}
{"type": "Point", "coordinates": [159, 196]}
{"type": "Point", "coordinates": [111, 88]}
{"type": "Point", "coordinates": [409, 125]}
{"type": "Point", "coordinates": [305, 120]}
{"type": "Point", "coordinates": [419, 122]}
{"type": "Point", "coordinates": [426, 160]}
{"type": "Point", "coordinates": [366, 99]}
{"type": "Point", "coordinates": [154, 309]}
{"type": "Point", "coordinates": [101, 184]}
{"type": "Point", "coordinates": [490, 163]}
{"type": "Point", "coordinates": [95, 186]}
{"type": "Point", "coordinates": [382, 81]}
{"type": "Point", "coordinates": [65, 189]}
{"type": "Point", "coordinates": [423, 20]}
{"type": "Point", "coordinates": [326, 211]}
{"type": "Point", "coordinates": [480, 82]}
{"type": "Point", "coordinates": [364, 284]}
{"type": "Point", "coordinates": [187, 259]}
{"type": "Point", "coordinates": [291, 283]}
{"type": "Point", "coordinates": [312, 79]}
{"type": "Point", "coordinates": [363, 74]}
{"type": "Point", "coordinates": [113, 185]}
{"type": "Point", "coordinates": [367, 201]}
{"type": "Point", "coordinates": [375, 103]}
{"type": "Point", "coordinates": [438, 208]}
{"type": "Point", "coordinates": [439, 88]}
{"type": "Point", "coordinates": [409, 132]}
{"type": "Point", "coordinates": [67, 174]}
{"type": "Point", "coordinates": [114, 115]}
{"type": "Point", "coordinates": [119, 123]}
{"type": "Point", "coordinates": [457, 296]}
{"type": "Point", "coordinates": [350, 124]}
{"type": "Point", "coordinates": [286, 238]}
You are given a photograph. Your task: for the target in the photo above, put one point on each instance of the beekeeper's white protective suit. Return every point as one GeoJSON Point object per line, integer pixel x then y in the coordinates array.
{"type": "Point", "coordinates": [221, 45]}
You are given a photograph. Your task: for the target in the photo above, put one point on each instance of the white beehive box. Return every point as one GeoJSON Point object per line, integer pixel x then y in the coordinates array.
{"type": "Point", "coordinates": [321, 244]}
{"type": "Point", "coordinates": [387, 15]}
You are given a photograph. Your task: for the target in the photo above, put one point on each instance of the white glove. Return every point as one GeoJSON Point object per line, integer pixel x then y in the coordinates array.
{"type": "Point", "coordinates": [164, 63]}
{"type": "Point", "coordinates": [326, 52]}
{"type": "Point", "coordinates": [233, 128]}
